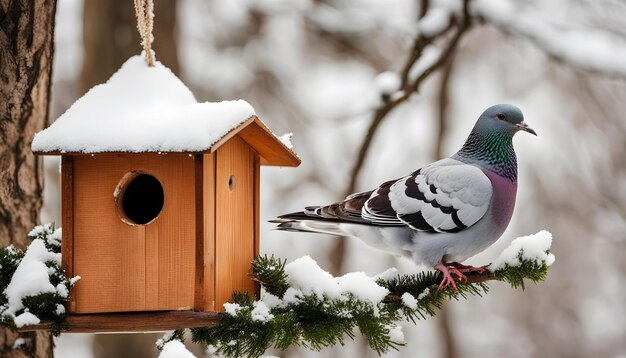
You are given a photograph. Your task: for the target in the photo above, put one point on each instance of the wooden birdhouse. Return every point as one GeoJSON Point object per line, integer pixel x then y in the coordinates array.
{"type": "Point", "coordinates": [160, 195]}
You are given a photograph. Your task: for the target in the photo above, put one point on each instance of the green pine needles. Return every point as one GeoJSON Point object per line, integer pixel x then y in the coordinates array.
{"type": "Point", "coordinates": [248, 328]}
{"type": "Point", "coordinates": [301, 304]}
{"type": "Point", "coordinates": [33, 286]}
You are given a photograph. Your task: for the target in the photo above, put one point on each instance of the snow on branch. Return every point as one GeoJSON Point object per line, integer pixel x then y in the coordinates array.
{"type": "Point", "coordinates": [32, 283]}
{"type": "Point", "coordinates": [301, 304]}
{"type": "Point", "coordinates": [587, 49]}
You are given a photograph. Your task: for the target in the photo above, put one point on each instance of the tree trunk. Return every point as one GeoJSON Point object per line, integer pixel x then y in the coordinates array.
{"type": "Point", "coordinates": [26, 50]}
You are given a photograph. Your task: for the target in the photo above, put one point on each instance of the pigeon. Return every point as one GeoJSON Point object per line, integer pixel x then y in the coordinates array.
{"type": "Point", "coordinates": [441, 214]}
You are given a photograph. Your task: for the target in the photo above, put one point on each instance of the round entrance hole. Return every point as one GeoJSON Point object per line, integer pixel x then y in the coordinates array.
{"type": "Point", "coordinates": [140, 198]}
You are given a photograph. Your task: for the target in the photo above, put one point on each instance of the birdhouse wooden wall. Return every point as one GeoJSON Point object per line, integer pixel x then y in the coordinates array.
{"type": "Point", "coordinates": [231, 222]}
{"type": "Point", "coordinates": [134, 254]}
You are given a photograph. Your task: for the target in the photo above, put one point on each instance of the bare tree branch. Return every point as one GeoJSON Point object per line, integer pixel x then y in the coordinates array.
{"type": "Point", "coordinates": [592, 51]}
{"type": "Point", "coordinates": [409, 88]}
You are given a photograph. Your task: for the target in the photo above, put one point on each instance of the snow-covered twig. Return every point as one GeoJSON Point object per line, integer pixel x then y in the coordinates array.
{"type": "Point", "coordinates": [410, 85]}
{"type": "Point", "coordinates": [588, 49]}
{"type": "Point", "coordinates": [33, 287]}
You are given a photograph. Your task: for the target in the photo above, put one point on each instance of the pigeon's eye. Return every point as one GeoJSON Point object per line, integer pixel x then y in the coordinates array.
{"type": "Point", "coordinates": [501, 116]}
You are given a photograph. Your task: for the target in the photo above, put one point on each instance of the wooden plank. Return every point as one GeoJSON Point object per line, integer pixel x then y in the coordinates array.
{"type": "Point", "coordinates": [199, 300]}
{"type": "Point", "coordinates": [67, 244]}
{"type": "Point", "coordinates": [231, 134]}
{"type": "Point", "coordinates": [132, 322]}
{"type": "Point", "coordinates": [175, 231]}
{"type": "Point", "coordinates": [257, 209]}
{"type": "Point", "coordinates": [133, 267]}
{"type": "Point", "coordinates": [271, 150]}
{"type": "Point", "coordinates": [234, 220]}
{"type": "Point", "coordinates": [209, 232]}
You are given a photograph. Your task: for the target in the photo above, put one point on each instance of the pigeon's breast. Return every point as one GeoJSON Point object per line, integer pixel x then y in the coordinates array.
{"type": "Point", "coordinates": [502, 200]}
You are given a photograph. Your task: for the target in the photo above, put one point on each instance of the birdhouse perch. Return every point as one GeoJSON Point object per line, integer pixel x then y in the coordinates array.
{"type": "Point", "coordinates": [160, 200]}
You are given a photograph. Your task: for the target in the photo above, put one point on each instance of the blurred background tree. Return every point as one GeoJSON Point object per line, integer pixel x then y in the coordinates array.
{"type": "Point", "coordinates": [331, 71]}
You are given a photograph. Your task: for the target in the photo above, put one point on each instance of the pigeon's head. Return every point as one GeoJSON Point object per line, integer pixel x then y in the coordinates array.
{"type": "Point", "coordinates": [505, 118]}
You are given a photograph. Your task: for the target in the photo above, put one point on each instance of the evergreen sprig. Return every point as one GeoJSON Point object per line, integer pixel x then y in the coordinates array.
{"type": "Point", "coordinates": [270, 273]}
{"type": "Point", "coordinates": [286, 316]}
{"type": "Point", "coordinates": [527, 269]}
{"type": "Point", "coordinates": [317, 322]}
{"type": "Point", "coordinates": [47, 306]}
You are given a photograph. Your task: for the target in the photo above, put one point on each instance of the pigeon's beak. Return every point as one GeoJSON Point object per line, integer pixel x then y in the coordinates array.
{"type": "Point", "coordinates": [524, 127]}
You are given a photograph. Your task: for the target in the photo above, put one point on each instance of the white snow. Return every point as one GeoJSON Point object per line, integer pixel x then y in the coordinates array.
{"type": "Point", "coordinates": [39, 230]}
{"type": "Point", "coordinates": [232, 308]}
{"type": "Point", "coordinates": [261, 312]}
{"type": "Point", "coordinates": [429, 57]}
{"type": "Point", "coordinates": [409, 301]}
{"type": "Point", "coordinates": [292, 296]}
{"type": "Point", "coordinates": [286, 140]}
{"type": "Point", "coordinates": [211, 349]}
{"type": "Point", "coordinates": [140, 109]}
{"type": "Point", "coordinates": [423, 294]}
{"type": "Point", "coordinates": [164, 339]}
{"type": "Point", "coordinates": [175, 349]}
{"type": "Point", "coordinates": [62, 290]}
{"type": "Point", "coordinates": [31, 276]}
{"type": "Point", "coordinates": [48, 233]}
{"type": "Point", "coordinates": [388, 274]}
{"type": "Point", "coordinates": [270, 300]}
{"type": "Point", "coordinates": [55, 237]}
{"type": "Point", "coordinates": [362, 286]}
{"type": "Point", "coordinates": [26, 319]}
{"type": "Point", "coordinates": [586, 48]}
{"type": "Point", "coordinates": [532, 247]}
{"type": "Point", "coordinates": [387, 82]}
{"type": "Point", "coordinates": [395, 334]}
{"type": "Point", "coordinates": [306, 276]}
{"type": "Point", "coordinates": [434, 22]}
{"type": "Point", "coordinates": [74, 279]}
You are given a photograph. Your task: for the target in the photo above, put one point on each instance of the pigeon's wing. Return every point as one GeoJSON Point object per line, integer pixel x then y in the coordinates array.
{"type": "Point", "coordinates": [446, 196]}
{"type": "Point", "coordinates": [350, 209]}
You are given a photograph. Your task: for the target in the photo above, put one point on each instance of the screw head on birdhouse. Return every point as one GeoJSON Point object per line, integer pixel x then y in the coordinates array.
{"type": "Point", "coordinates": [160, 194]}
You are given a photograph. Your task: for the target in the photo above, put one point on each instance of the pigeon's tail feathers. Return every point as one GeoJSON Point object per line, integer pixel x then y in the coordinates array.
{"type": "Point", "coordinates": [320, 226]}
{"type": "Point", "coordinates": [312, 219]}
{"type": "Point", "coordinates": [309, 213]}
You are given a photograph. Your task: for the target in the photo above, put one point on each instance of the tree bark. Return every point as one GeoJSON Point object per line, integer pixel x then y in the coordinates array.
{"type": "Point", "coordinates": [26, 51]}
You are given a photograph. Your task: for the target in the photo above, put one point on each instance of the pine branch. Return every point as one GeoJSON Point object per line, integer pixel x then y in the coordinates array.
{"type": "Point", "coordinates": [45, 306]}
{"type": "Point", "coordinates": [299, 314]}
{"type": "Point", "coordinates": [286, 316]}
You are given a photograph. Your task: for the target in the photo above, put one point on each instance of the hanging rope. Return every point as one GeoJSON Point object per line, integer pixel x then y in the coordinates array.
{"type": "Point", "coordinates": [145, 18]}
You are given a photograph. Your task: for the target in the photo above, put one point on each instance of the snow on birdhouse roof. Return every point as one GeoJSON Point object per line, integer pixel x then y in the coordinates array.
{"type": "Point", "coordinates": [142, 109]}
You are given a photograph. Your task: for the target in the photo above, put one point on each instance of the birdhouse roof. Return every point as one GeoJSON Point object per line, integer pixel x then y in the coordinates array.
{"type": "Point", "coordinates": [148, 109]}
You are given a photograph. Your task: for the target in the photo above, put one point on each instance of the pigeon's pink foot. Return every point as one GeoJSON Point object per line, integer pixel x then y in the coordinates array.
{"type": "Point", "coordinates": [447, 272]}
{"type": "Point", "coordinates": [468, 269]}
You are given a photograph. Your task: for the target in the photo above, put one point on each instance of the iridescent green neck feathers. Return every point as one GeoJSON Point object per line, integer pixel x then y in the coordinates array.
{"type": "Point", "coordinates": [491, 149]}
